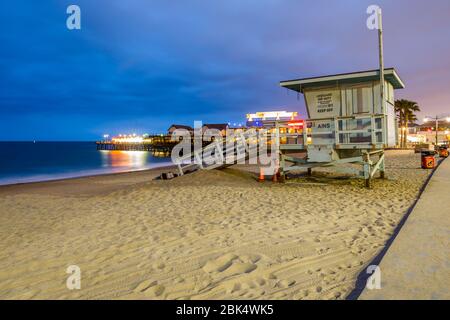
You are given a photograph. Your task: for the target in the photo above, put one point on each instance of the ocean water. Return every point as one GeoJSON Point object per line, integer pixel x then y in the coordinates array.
{"type": "Point", "coordinates": [22, 162]}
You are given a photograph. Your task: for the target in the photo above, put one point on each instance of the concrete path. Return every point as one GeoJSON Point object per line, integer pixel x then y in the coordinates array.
{"type": "Point", "coordinates": [417, 265]}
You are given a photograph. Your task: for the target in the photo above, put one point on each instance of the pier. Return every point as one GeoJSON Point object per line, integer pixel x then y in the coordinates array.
{"type": "Point", "coordinates": [157, 143]}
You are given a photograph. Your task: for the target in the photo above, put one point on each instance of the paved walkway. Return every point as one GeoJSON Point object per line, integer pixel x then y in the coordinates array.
{"type": "Point", "coordinates": [417, 265]}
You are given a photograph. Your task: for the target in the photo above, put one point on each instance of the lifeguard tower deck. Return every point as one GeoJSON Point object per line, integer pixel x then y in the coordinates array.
{"type": "Point", "coordinates": [347, 122]}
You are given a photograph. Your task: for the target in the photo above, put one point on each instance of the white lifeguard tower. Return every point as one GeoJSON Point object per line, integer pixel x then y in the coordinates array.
{"type": "Point", "coordinates": [347, 121]}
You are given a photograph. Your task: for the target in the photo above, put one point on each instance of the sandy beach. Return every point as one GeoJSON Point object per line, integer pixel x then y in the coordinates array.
{"type": "Point", "coordinates": [207, 235]}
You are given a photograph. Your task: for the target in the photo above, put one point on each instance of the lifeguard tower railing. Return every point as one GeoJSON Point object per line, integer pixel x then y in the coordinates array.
{"type": "Point", "coordinates": [353, 132]}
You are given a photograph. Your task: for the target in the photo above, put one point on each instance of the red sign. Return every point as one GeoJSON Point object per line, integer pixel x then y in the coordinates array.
{"type": "Point", "coordinates": [298, 124]}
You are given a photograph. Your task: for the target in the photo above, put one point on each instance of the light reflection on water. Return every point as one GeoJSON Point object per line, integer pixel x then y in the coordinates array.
{"type": "Point", "coordinates": [22, 162]}
{"type": "Point", "coordinates": [125, 159]}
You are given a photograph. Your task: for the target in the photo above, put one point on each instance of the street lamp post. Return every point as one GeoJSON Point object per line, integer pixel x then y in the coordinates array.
{"type": "Point", "coordinates": [437, 119]}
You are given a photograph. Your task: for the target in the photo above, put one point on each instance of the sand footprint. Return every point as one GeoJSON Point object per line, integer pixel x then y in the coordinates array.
{"type": "Point", "coordinates": [150, 288]}
{"type": "Point", "coordinates": [252, 258]}
{"type": "Point", "coordinates": [240, 268]}
{"type": "Point", "coordinates": [285, 283]}
{"type": "Point", "coordinates": [232, 287]}
{"type": "Point", "coordinates": [159, 265]}
{"type": "Point", "coordinates": [220, 264]}
{"type": "Point", "coordinates": [260, 281]}
{"type": "Point", "coordinates": [144, 285]}
{"type": "Point", "coordinates": [154, 291]}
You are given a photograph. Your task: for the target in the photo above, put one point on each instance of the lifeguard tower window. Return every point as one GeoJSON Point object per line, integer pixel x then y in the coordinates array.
{"type": "Point", "coordinates": [360, 99]}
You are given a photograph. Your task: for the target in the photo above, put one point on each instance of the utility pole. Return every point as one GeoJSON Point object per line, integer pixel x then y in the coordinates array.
{"type": "Point", "coordinates": [381, 57]}
{"type": "Point", "coordinates": [437, 127]}
{"type": "Point", "coordinates": [380, 45]}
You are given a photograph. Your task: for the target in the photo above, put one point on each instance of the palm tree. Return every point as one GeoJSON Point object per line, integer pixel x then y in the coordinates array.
{"type": "Point", "coordinates": [399, 111]}
{"type": "Point", "coordinates": [406, 114]}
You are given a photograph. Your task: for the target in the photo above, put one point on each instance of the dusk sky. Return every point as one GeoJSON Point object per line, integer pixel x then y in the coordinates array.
{"type": "Point", "coordinates": [141, 65]}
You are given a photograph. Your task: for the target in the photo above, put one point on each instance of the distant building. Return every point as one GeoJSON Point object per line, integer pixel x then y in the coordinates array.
{"type": "Point", "coordinates": [413, 128]}
{"type": "Point", "coordinates": [443, 126]}
{"type": "Point", "coordinates": [222, 127]}
{"type": "Point", "coordinates": [174, 127]}
{"type": "Point", "coordinates": [426, 133]}
{"type": "Point", "coordinates": [268, 119]}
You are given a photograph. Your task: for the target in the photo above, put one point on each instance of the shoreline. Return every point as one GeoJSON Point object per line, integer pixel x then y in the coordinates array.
{"type": "Point", "coordinates": [72, 176]}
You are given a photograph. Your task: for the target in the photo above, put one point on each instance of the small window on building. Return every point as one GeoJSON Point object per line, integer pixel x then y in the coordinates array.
{"type": "Point", "coordinates": [362, 100]}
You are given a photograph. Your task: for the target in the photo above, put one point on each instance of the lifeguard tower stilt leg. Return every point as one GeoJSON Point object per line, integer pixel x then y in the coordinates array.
{"type": "Point", "coordinates": [382, 169]}
{"type": "Point", "coordinates": [367, 171]}
{"type": "Point", "coordinates": [371, 168]}
{"type": "Point", "coordinates": [281, 169]}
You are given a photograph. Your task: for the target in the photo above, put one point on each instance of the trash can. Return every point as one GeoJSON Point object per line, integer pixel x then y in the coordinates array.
{"type": "Point", "coordinates": [443, 152]}
{"type": "Point", "coordinates": [428, 159]}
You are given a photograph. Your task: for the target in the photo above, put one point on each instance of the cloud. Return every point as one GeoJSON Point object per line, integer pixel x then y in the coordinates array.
{"type": "Point", "coordinates": [146, 64]}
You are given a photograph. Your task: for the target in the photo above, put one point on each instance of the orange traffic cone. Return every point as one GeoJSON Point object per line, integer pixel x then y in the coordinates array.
{"type": "Point", "coordinates": [261, 175]}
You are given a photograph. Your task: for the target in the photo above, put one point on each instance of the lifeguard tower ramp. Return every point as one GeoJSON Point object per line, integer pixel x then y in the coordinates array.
{"type": "Point", "coordinates": [349, 121]}
{"type": "Point", "coordinates": [220, 153]}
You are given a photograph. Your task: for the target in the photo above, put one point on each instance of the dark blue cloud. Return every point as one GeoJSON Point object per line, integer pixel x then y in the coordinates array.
{"type": "Point", "coordinates": [140, 65]}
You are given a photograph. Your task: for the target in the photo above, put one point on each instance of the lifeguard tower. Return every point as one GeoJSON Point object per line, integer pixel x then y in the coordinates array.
{"type": "Point", "coordinates": [349, 121]}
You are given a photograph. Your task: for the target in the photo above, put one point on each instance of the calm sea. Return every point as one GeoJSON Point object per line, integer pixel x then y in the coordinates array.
{"type": "Point", "coordinates": [28, 161]}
